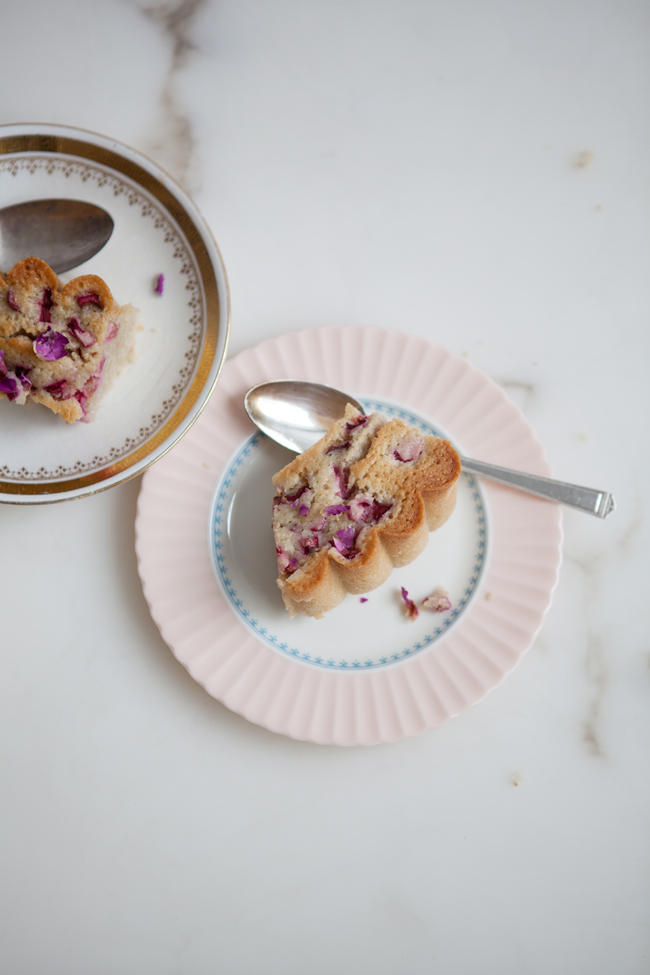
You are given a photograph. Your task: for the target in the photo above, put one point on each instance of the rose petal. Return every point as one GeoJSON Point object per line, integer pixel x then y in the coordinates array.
{"type": "Point", "coordinates": [9, 385]}
{"type": "Point", "coordinates": [346, 535]}
{"type": "Point", "coordinates": [24, 378]}
{"type": "Point", "coordinates": [379, 510]}
{"type": "Point", "coordinates": [408, 450]}
{"type": "Point", "coordinates": [46, 304]}
{"type": "Point", "coordinates": [410, 608]}
{"type": "Point", "coordinates": [81, 334]}
{"type": "Point", "coordinates": [337, 509]}
{"type": "Point", "coordinates": [291, 499]}
{"type": "Point", "coordinates": [89, 298]}
{"type": "Point", "coordinates": [9, 381]}
{"type": "Point", "coordinates": [360, 509]}
{"type": "Point", "coordinates": [344, 541]}
{"type": "Point", "coordinates": [56, 390]}
{"type": "Point", "coordinates": [341, 475]}
{"type": "Point", "coordinates": [50, 346]}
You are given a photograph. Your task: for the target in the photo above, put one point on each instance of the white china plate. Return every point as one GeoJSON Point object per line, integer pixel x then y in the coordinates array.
{"type": "Point", "coordinates": [182, 345]}
{"type": "Point", "coordinates": [387, 678]}
{"type": "Point", "coordinates": [364, 633]}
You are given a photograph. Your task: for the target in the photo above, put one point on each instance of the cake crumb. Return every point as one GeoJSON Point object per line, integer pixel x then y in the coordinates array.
{"type": "Point", "coordinates": [516, 778]}
{"type": "Point", "coordinates": [438, 601]}
{"type": "Point", "coordinates": [584, 159]}
{"type": "Point", "coordinates": [582, 437]}
{"type": "Point", "coordinates": [206, 465]}
{"type": "Point", "coordinates": [489, 596]}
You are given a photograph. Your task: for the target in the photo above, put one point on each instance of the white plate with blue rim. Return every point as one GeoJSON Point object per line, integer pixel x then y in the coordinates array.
{"type": "Point", "coordinates": [244, 563]}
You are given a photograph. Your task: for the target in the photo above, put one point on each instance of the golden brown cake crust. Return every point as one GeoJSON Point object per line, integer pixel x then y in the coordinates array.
{"type": "Point", "coordinates": [421, 490]}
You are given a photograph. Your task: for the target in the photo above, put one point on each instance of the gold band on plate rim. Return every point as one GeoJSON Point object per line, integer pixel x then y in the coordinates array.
{"type": "Point", "coordinates": [145, 179]}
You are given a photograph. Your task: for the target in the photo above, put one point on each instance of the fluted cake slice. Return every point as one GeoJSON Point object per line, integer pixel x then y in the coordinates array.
{"type": "Point", "coordinates": [357, 504]}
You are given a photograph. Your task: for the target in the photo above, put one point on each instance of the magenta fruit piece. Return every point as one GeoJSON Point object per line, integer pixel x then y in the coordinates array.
{"type": "Point", "coordinates": [11, 301]}
{"type": "Point", "coordinates": [81, 334]}
{"type": "Point", "coordinates": [291, 499]}
{"type": "Point", "coordinates": [8, 382]}
{"type": "Point", "coordinates": [411, 609]}
{"type": "Point", "coordinates": [89, 298]}
{"type": "Point", "coordinates": [57, 390]}
{"type": "Point", "coordinates": [360, 421]}
{"type": "Point", "coordinates": [341, 476]}
{"type": "Point", "coordinates": [344, 542]}
{"type": "Point", "coordinates": [409, 450]}
{"type": "Point", "coordinates": [50, 346]}
{"type": "Point", "coordinates": [46, 304]}
{"type": "Point", "coordinates": [21, 373]}
{"type": "Point", "coordinates": [337, 509]}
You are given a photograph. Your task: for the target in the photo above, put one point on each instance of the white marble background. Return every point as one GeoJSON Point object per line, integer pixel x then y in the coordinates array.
{"type": "Point", "coordinates": [473, 172]}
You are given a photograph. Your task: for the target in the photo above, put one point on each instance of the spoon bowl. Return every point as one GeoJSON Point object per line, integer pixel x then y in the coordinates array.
{"type": "Point", "coordinates": [63, 233]}
{"type": "Point", "coordinates": [297, 414]}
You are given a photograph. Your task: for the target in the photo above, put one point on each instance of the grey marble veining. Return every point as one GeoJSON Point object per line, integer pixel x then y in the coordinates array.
{"type": "Point", "coordinates": [174, 145]}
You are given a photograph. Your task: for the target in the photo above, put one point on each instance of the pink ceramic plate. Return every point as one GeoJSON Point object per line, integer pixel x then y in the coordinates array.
{"type": "Point", "coordinates": [386, 681]}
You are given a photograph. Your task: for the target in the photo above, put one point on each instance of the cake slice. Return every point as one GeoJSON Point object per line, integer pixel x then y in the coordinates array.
{"type": "Point", "coordinates": [61, 345]}
{"type": "Point", "coordinates": [357, 504]}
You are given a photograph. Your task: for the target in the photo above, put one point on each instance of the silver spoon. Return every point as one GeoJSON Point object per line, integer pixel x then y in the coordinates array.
{"type": "Point", "coordinates": [63, 233]}
{"type": "Point", "coordinates": [296, 414]}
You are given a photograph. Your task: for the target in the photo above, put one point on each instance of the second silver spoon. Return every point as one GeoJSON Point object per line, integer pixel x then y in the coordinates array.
{"type": "Point", "coordinates": [63, 233]}
{"type": "Point", "coordinates": [296, 414]}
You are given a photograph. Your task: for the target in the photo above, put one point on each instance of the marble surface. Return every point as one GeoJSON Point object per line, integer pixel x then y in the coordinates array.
{"type": "Point", "coordinates": [472, 173]}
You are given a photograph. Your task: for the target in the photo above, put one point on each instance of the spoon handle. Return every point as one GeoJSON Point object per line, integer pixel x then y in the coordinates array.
{"type": "Point", "coordinates": [599, 503]}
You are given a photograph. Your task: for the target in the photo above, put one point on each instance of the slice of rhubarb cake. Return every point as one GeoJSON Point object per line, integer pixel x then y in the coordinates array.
{"type": "Point", "coordinates": [357, 504]}
{"type": "Point", "coordinates": [61, 345]}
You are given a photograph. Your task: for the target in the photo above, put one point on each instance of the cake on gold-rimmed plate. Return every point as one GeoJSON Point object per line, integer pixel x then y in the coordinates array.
{"type": "Point", "coordinates": [181, 347]}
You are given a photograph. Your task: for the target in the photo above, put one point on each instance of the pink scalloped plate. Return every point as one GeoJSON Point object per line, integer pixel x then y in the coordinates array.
{"type": "Point", "coordinates": [348, 705]}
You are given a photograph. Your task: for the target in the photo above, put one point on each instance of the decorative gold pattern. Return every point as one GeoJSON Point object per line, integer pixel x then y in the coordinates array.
{"type": "Point", "coordinates": [174, 408]}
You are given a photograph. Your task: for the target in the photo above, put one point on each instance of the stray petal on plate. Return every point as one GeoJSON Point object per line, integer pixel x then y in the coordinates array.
{"type": "Point", "coordinates": [410, 608]}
